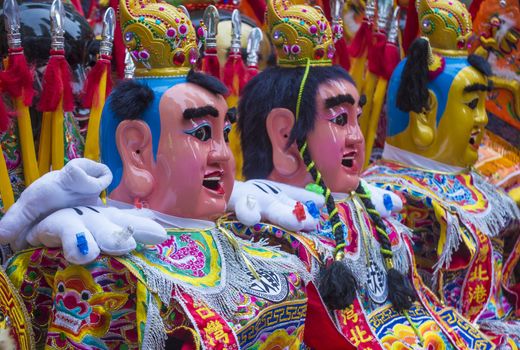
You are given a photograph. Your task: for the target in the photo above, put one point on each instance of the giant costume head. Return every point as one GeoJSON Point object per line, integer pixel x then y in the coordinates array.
{"type": "Point", "coordinates": [298, 125]}
{"type": "Point", "coordinates": [164, 134]}
{"type": "Point", "coordinates": [436, 100]}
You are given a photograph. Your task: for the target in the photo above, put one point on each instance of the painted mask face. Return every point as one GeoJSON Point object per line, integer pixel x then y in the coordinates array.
{"type": "Point", "coordinates": [336, 143]}
{"type": "Point", "coordinates": [194, 169]}
{"type": "Point", "coordinates": [461, 128]}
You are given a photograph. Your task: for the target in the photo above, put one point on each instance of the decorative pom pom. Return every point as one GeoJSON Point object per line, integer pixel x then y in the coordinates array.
{"type": "Point", "coordinates": [337, 286]}
{"type": "Point", "coordinates": [130, 99]}
{"type": "Point", "coordinates": [400, 291]}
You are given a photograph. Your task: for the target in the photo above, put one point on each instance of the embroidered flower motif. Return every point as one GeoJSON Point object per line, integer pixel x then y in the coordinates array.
{"type": "Point", "coordinates": [403, 337]}
{"type": "Point", "coordinates": [281, 340]}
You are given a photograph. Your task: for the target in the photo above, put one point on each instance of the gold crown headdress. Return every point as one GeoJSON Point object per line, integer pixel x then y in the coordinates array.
{"type": "Point", "coordinates": [160, 38]}
{"type": "Point", "coordinates": [447, 24]}
{"type": "Point", "coordinates": [301, 33]}
{"type": "Point", "coordinates": [192, 5]}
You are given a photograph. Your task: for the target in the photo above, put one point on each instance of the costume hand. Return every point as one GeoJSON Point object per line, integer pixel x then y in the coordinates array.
{"type": "Point", "coordinates": [79, 183]}
{"type": "Point", "coordinates": [287, 206]}
{"type": "Point", "coordinates": [83, 232]}
{"type": "Point", "coordinates": [385, 202]}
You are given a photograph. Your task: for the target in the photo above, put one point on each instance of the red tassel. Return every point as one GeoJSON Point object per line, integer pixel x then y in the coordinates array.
{"type": "Point", "coordinates": [210, 63]}
{"type": "Point", "coordinates": [251, 72]}
{"type": "Point", "coordinates": [56, 84]}
{"type": "Point", "coordinates": [391, 58]}
{"type": "Point", "coordinates": [375, 53]}
{"type": "Point", "coordinates": [5, 119]}
{"type": "Point", "coordinates": [234, 68]}
{"type": "Point", "coordinates": [360, 42]}
{"type": "Point", "coordinates": [411, 27]}
{"type": "Point", "coordinates": [93, 78]}
{"type": "Point", "coordinates": [17, 79]}
{"type": "Point", "coordinates": [342, 56]}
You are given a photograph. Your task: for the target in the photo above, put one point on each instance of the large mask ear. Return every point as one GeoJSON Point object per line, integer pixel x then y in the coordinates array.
{"type": "Point", "coordinates": [423, 124]}
{"type": "Point", "coordinates": [286, 160]}
{"type": "Point", "coordinates": [134, 142]}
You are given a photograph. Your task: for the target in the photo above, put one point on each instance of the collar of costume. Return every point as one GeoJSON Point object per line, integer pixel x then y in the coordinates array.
{"type": "Point", "coordinates": [414, 160]}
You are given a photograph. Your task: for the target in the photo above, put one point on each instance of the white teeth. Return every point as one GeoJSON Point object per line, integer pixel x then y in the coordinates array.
{"type": "Point", "coordinates": [66, 321]}
{"type": "Point", "coordinates": [212, 178]}
{"type": "Point", "coordinates": [349, 158]}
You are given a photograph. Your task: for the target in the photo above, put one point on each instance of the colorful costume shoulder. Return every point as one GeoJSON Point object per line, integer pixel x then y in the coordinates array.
{"type": "Point", "coordinates": [193, 288]}
{"type": "Point", "coordinates": [459, 220]}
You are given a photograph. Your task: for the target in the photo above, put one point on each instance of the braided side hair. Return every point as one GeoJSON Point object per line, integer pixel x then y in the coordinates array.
{"type": "Point", "coordinates": [400, 291]}
{"type": "Point", "coordinates": [337, 284]}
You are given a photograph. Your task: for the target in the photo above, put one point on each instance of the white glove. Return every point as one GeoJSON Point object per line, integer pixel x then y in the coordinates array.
{"type": "Point", "coordinates": [263, 200]}
{"type": "Point", "coordinates": [84, 231]}
{"type": "Point", "coordinates": [79, 183]}
{"type": "Point", "coordinates": [386, 202]}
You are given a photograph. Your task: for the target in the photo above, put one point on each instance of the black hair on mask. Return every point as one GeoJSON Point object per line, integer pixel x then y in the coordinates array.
{"type": "Point", "coordinates": [480, 64]}
{"type": "Point", "coordinates": [412, 94]}
{"type": "Point", "coordinates": [129, 99]}
{"type": "Point", "coordinates": [277, 87]}
{"type": "Point", "coordinates": [208, 82]}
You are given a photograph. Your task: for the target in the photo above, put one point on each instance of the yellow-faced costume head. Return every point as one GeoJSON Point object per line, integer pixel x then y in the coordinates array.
{"type": "Point", "coordinates": [436, 96]}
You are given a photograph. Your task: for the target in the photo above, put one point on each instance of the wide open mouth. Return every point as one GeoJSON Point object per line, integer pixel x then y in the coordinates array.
{"type": "Point", "coordinates": [213, 182]}
{"type": "Point", "coordinates": [473, 137]}
{"type": "Point", "coordinates": [348, 159]}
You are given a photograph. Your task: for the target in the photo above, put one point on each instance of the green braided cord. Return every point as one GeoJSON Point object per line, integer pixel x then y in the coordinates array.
{"type": "Point", "coordinates": [386, 251]}
{"type": "Point", "coordinates": [302, 150]}
{"type": "Point", "coordinates": [318, 177]}
{"type": "Point", "coordinates": [336, 225]}
{"type": "Point", "coordinates": [327, 194]}
{"type": "Point", "coordinates": [334, 212]}
{"type": "Point", "coordinates": [414, 327]}
{"type": "Point", "coordinates": [339, 247]}
{"type": "Point", "coordinates": [372, 211]}
{"type": "Point", "coordinates": [310, 166]}
{"type": "Point", "coordinates": [302, 86]}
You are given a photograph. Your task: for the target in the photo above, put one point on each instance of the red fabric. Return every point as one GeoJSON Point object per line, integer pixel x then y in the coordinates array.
{"type": "Point", "coordinates": [251, 72]}
{"type": "Point", "coordinates": [56, 84]}
{"type": "Point", "coordinates": [411, 28]}
{"type": "Point", "coordinates": [93, 78]}
{"type": "Point", "coordinates": [342, 56]}
{"type": "Point", "coordinates": [360, 42]}
{"type": "Point", "coordinates": [17, 79]}
{"type": "Point", "coordinates": [210, 63]}
{"type": "Point", "coordinates": [376, 51]}
{"type": "Point", "coordinates": [4, 116]}
{"type": "Point", "coordinates": [118, 50]}
{"type": "Point", "coordinates": [391, 58]}
{"type": "Point", "coordinates": [474, 7]}
{"type": "Point", "coordinates": [259, 7]}
{"type": "Point", "coordinates": [320, 331]}
{"type": "Point", "coordinates": [234, 68]}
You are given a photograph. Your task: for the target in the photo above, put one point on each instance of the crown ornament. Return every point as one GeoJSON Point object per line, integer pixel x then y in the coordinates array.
{"type": "Point", "coordinates": [160, 38]}
{"type": "Point", "coordinates": [302, 34]}
{"type": "Point", "coordinates": [447, 24]}
{"type": "Point", "coordinates": [193, 5]}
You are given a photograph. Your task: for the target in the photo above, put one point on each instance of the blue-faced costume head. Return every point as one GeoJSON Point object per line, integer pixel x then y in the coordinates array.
{"type": "Point", "coordinates": [163, 45]}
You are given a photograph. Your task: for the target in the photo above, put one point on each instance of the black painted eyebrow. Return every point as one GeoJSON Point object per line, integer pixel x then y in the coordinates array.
{"type": "Point", "coordinates": [193, 113]}
{"type": "Point", "coordinates": [334, 101]}
{"type": "Point", "coordinates": [478, 87]}
{"type": "Point", "coordinates": [231, 115]}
